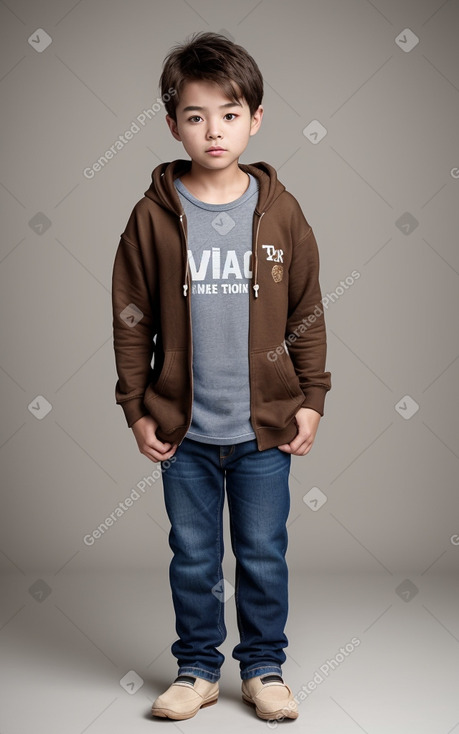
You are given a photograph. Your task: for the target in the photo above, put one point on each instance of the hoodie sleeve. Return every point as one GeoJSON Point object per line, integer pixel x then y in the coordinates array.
{"type": "Point", "coordinates": [134, 329]}
{"type": "Point", "coordinates": [305, 334]}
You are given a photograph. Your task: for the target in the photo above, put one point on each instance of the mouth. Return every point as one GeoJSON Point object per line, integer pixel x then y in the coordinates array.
{"type": "Point", "coordinates": [216, 149]}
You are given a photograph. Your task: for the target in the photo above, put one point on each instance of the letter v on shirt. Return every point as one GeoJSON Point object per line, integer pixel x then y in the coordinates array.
{"type": "Point", "coordinates": [222, 266]}
{"type": "Point", "coordinates": [220, 259]}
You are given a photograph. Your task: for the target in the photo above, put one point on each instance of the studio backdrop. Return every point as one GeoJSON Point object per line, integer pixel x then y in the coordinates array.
{"type": "Point", "coordinates": [361, 119]}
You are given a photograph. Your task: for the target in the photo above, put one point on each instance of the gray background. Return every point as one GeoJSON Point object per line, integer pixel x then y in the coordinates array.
{"type": "Point", "coordinates": [388, 531]}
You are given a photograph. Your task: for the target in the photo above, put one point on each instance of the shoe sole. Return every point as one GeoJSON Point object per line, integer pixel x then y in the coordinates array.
{"type": "Point", "coordinates": [275, 715]}
{"type": "Point", "coordinates": [169, 714]}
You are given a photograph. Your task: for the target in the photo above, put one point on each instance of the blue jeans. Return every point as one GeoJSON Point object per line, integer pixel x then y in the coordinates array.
{"type": "Point", "coordinates": [258, 502]}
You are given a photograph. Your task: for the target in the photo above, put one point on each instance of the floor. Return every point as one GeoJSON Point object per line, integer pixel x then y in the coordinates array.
{"type": "Point", "coordinates": [89, 652]}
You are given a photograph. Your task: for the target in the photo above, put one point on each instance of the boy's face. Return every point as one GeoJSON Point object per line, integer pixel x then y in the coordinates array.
{"type": "Point", "coordinates": [213, 130]}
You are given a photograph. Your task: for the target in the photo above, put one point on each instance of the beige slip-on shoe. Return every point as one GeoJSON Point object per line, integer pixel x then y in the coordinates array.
{"type": "Point", "coordinates": [271, 697]}
{"type": "Point", "coordinates": [185, 697]}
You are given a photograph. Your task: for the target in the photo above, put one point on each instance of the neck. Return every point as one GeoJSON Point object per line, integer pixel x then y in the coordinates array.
{"type": "Point", "coordinates": [216, 186]}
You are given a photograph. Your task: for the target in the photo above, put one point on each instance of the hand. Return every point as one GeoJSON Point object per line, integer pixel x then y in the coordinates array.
{"type": "Point", "coordinates": [307, 421]}
{"type": "Point", "coordinates": [144, 431]}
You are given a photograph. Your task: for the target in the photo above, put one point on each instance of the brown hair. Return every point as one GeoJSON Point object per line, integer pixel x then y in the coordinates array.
{"type": "Point", "coordinates": [214, 58]}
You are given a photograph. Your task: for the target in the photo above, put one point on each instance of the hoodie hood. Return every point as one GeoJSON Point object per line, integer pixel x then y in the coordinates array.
{"type": "Point", "coordinates": [162, 189]}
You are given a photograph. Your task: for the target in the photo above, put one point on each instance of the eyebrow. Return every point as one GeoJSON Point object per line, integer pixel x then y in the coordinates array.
{"type": "Point", "coordinates": [193, 108]}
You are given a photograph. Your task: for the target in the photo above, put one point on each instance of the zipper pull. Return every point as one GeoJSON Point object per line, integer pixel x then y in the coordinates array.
{"type": "Point", "coordinates": [255, 288]}
{"type": "Point", "coordinates": [185, 289]}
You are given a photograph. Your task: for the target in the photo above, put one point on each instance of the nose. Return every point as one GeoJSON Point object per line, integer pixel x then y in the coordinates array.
{"type": "Point", "coordinates": [213, 131]}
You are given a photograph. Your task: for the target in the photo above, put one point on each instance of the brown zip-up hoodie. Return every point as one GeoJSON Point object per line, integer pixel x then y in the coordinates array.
{"type": "Point", "coordinates": [151, 292]}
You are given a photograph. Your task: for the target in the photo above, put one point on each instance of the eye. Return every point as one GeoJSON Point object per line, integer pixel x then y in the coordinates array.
{"type": "Point", "coordinates": [230, 115]}
{"type": "Point", "coordinates": [195, 118]}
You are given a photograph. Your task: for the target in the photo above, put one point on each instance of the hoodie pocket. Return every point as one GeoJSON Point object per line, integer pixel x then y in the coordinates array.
{"type": "Point", "coordinates": [168, 398]}
{"type": "Point", "coordinates": [277, 392]}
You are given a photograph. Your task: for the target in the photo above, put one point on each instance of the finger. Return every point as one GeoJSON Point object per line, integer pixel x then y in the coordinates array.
{"type": "Point", "coordinates": [296, 446]}
{"type": "Point", "coordinates": [152, 446]}
{"type": "Point", "coordinates": [299, 442]}
{"type": "Point", "coordinates": [303, 448]}
{"type": "Point", "coordinates": [156, 457]}
{"type": "Point", "coordinates": [158, 446]}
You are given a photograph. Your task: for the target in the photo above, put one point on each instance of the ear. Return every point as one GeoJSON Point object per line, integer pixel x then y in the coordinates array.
{"type": "Point", "coordinates": [256, 120]}
{"type": "Point", "coordinates": [172, 124]}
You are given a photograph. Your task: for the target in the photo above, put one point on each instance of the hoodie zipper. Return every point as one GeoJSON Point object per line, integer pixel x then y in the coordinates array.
{"type": "Point", "coordinates": [185, 293]}
{"type": "Point", "coordinates": [255, 286]}
{"type": "Point", "coordinates": [185, 279]}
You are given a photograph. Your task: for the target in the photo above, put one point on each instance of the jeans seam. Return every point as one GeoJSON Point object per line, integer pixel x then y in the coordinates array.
{"type": "Point", "coordinates": [236, 590]}
{"type": "Point", "coordinates": [220, 561]}
{"type": "Point", "coordinates": [226, 456]}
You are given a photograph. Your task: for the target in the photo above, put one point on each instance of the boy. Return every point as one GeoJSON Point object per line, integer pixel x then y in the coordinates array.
{"type": "Point", "coordinates": [215, 274]}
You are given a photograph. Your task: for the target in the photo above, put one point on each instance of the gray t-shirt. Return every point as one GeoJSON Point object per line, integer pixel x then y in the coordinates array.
{"type": "Point", "coordinates": [220, 261]}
